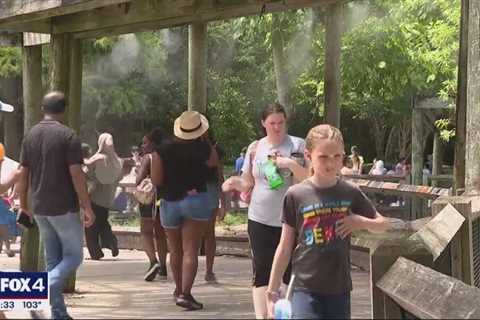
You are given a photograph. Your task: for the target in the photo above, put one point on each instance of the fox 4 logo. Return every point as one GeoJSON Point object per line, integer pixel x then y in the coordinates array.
{"type": "Point", "coordinates": [27, 285]}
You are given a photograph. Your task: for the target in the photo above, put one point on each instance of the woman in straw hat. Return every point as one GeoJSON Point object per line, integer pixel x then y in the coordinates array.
{"type": "Point", "coordinates": [181, 168]}
{"type": "Point", "coordinates": [105, 169]}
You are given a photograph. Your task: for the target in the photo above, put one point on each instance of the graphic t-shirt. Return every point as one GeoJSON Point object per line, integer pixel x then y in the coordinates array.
{"type": "Point", "coordinates": [321, 259]}
{"type": "Point", "coordinates": [266, 204]}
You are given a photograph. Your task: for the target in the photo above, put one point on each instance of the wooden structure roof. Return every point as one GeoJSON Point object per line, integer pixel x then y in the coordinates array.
{"type": "Point", "coordinates": [93, 18]}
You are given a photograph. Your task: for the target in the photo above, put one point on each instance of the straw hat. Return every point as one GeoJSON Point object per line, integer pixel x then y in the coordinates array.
{"type": "Point", "coordinates": [190, 125]}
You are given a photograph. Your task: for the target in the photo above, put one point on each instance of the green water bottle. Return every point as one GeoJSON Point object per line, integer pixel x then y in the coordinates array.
{"type": "Point", "coordinates": [274, 179]}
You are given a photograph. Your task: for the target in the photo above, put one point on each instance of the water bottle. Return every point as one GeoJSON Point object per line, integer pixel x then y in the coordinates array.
{"type": "Point", "coordinates": [283, 309]}
{"type": "Point", "coordinates": [274, 179]}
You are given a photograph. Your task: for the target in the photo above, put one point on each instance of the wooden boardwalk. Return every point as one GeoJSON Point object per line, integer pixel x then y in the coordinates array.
{"type": "Point", "coordinates": [114, 288]}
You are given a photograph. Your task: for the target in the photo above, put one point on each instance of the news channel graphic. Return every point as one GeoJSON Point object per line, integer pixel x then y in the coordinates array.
{"type": "Point", "coordinates": [24, 291]}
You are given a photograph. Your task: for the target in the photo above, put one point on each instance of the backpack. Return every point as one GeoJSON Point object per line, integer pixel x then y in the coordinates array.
{"type": "Point", "coordinates": [145, 192]}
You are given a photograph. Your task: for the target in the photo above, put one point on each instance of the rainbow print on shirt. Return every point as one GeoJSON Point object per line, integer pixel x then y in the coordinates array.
{"type": "Point", "coordinates": [319, 221]}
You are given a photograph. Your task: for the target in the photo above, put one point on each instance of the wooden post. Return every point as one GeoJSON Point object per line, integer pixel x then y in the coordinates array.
{"type": "Point", "coordinates": [32, 86]}
{"type": "Point", "coordinates": [58, 62]}
{"type": "Point", "coordinates": [417, 159]}
{"type": "Point", "coordinates": [461, 246]}
{"type": "Point", "coordinates": [197, 67]}
{"type": "Point", "coordinates": [437, 159]}
{"type": "Point", "coordinates": [32, 97]}
{"type": "Point", "coordinates": [472, 154]}
{"type": "Point", "coordinates": [75, 85]}
{"type": "Point", "coordinates": [332, 85]}
{"type": "Point", "coordinates": [381, 259]}
{"type": "Point", "coordinates": [60, 80]}
{"type": "Point", "coordinates": [460, 121]}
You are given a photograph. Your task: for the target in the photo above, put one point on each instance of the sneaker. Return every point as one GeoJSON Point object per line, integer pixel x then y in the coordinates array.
{"type": "Point", "coordinates": [210, 277]}
{"type": "Point", "coordinates": [151, 272]}
{"type": "Point", "coordinates": [162, 272]}
{"type": "Point", "coordinates": [114, 248]}
{"type": "Point", "coordinates": [188, 302]}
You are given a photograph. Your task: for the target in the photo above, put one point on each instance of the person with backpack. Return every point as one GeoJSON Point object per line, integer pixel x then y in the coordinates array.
{"type": "Point", "coordinates": [151, 229]}
{"type": "Point", "coordinates": [272, 164]}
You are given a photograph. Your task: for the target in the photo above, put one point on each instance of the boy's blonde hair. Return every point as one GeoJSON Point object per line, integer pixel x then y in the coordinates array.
{"type": "Point", "coordinates": [322, 131]}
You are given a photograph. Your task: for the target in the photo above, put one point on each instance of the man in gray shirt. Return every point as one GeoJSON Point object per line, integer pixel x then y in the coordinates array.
{"type": "Point", "coordinates": [51, 160]}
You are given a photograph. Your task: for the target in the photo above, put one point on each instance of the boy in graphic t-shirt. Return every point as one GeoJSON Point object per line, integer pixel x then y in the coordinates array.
{"type": "Point", "coordinates": [319, 215]}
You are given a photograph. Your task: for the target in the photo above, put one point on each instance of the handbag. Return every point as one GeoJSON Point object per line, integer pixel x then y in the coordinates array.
{"type": "Point", "coordinates": [145, 192]}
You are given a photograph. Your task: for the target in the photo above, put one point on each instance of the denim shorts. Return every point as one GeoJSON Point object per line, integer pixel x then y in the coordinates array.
{"type": "Point", "coordinates": [194, 207]}
{"type": "Point", "coordinates": [213, 195]}
{"type": "Point", "coordinates": [310, 305]}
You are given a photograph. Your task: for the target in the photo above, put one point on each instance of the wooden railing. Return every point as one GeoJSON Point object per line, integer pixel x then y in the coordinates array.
{"type": "Point", "coordinates": [434, 270]}
{"type": "Point", "coordinates": [413, 289]}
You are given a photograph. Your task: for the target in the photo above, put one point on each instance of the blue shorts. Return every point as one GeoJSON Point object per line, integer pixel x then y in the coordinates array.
{"type": "Point", "coordinates": [213, 195]}
{"type": "Point", "coordinates": [194, 207]}
{"type": "Point", "coordinates": [310, 305]}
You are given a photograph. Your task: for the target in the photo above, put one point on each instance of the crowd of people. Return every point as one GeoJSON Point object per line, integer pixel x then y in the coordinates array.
{"type": "Point", "coordinates": [300, 215]}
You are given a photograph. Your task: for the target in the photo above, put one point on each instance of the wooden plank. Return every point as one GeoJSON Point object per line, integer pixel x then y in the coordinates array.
{"type": "Point", "coordinates": [151, 14]}
{"type": "Point", "coordinates": [408, 190]}
{"type": "Point", "coordinates": [440, 230]}
{"type": "Point", "coordinates": [428, 294]}
{"type": "Point", "coordinates": [197, 67]}
{"type": "Point", "coordinates": [29, 10]}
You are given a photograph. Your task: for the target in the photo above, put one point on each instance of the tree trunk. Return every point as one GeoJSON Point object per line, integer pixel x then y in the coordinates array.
{"type": "Point", "coordinates": [437, 158]}
{"type": "Point", "coordinates": [379, 136]}
{"type": "Point", "coordinates": [282, 78]}
{"type": "Point", "coordinates": [332, 84]}
{"type": "Point", "coordinates": [389, 153]}
{"type": "Point", "coordinates": [405, 138]}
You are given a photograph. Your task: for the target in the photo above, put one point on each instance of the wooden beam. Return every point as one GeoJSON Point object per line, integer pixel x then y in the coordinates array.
{"type": "Point", "coordinates": [59, 65]}
{"type": "Point", "coordinates": [428, 294]}
{"type": "Point", "coordinates": [27, 11]}
{"type": "Point", "coordinates": [152, 14]}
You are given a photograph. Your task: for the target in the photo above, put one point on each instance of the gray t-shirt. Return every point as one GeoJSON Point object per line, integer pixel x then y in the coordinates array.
{"type": "Point", "coordinates": [321, 260]}
{"type": "Point", "coordinates": [266, 204]}
{"type": "Point", "coordinates": [48, 151]}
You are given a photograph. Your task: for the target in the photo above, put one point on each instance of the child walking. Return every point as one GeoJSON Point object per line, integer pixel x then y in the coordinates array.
{"type": "Point", "coordinates": [319, 215]}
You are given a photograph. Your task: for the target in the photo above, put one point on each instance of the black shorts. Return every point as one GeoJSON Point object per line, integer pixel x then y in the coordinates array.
{"type": "Point", "coordinates": [263, 242]}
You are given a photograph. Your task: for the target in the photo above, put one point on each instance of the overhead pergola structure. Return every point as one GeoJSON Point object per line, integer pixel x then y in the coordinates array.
{"type": "Point", "coordinates": [68, 22]}
{"type": "Point", "coordinates": [65, 23]}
